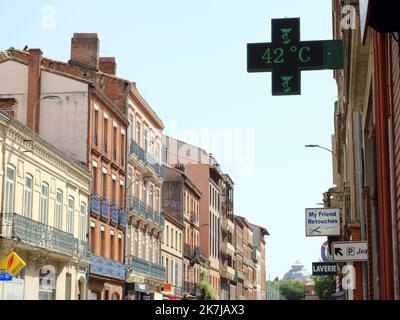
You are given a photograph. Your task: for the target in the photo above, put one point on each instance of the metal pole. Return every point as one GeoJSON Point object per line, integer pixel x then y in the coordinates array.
{"type": "Point", "coordinates": [360, 182]}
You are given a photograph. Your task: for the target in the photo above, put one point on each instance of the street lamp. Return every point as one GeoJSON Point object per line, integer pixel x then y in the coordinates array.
{"type": "Point", "coordinates": [317, 146]}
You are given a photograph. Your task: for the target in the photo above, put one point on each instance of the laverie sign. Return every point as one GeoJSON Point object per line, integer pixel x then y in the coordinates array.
{"type": "Point", "coordinates": [322, 222]}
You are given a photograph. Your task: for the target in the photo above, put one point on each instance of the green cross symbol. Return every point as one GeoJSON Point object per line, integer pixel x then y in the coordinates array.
{"type": "Point", "coordinates": [286, 56]}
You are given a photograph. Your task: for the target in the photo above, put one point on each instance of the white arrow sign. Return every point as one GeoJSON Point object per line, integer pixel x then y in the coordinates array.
{"type": "Point", "coordinates": [350, 251]}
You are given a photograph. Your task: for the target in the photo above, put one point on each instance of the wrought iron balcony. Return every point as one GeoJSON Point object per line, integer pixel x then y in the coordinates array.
{"type": "Point", "coordinates": [114, 214]}
{"type": "Point", "coordinates": [193, 289]}
{"type": "Point", "coordinates": [240, 274]}
{"type": "Point", "coordinates": [83, 250]}
{"type": "Point", "coordinates": [105, 209]}
{"type": "Point", "coordinates": [227, 225]}
{"type": "Point", "coordinates": [106, 267]}
{"type": "Point", "coordinates": [162, 221]}
{"type": "Point", "coordinates": [157, 218]}
{"type": "Point", "coordinates": [142, 210]}
{"type": "Point", "coordinates": [197, 252]}
{"type": "Point", "coordinates": [227, 249]}
{"type": "Point", "coordinates": [95, 204]}
{"type": "Point", "coordinates": [134, 148]}
{"type": "Point", "coordinates": [147, 269]}
{"type": "Point", "coordinates": [249, 262]}
{"type": "Point", "coordinates": [142, 155]}
{"type": "Point", "coordinates": [188, 250]}
{"type": "Point", "coordinates": [34, 233]}
{"type": "Point", "coordinates": [227, 272]}
{"type": "Point", "coordinates": [122, 218]}
{"type": "Point", "coordinates": [150, 214]}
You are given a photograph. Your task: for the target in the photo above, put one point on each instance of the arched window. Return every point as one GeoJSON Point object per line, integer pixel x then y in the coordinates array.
{"type": "Point", "coordinates": [44, 204]}
{"type": "Point", "coordinates": [10, 189]}
{"type": "Point", "coordinates": [115, 296]}
{"type": "Point", "coordinates": [70, 215]}
{"type": "Point", "coordinates": [58, 210]}
{"type": "Point", "coordinates": [28, 196]}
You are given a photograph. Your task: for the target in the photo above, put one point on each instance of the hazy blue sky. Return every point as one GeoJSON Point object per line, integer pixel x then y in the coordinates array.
{"type": "Point", "coordinates": [188, 59]}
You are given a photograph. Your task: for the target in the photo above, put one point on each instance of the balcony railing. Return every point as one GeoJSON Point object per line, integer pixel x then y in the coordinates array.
{"type": "Point", "coordinates": [227, 248]}
{"type": "Point", "coordinates": [95, 204]}
{"type": "Point", "coordinates": [105, 209]}
{"type": "Point", "coordinates": [106, 267]}
{"type": "Point", "coordinates": [83, 250]}
{"type": "Point", "coordinates": [114, 213]}
{"type": "Point", "coordinates": [240, 274]}
{"type": "Point", "coordinates": [228, 272]}
{"type": "Point", "coordinates": [197, 252]}
{"type": "Point", "coordinates": [122, 218]}
{"type": "Point", "coordinates": [20, 228]}
{"type": "Point", "coordinates": [150, 214]}
{"type": "Point", "coordinates": [228, 225]}
{"type": "Point", "coordinates": [193, 289]}
{"type": "Point", "coordinates": [188, 250]}
{"type": "Point", "coordinates": [142, 210]}
{"type": "Point", "coordinates": [162, 221]}
{"type": "Point", "coordinates": [147, 269]}
{"type": "Point", "coordinates": [142, 155]}
{"type": "Point", "coordinates": [157, 218]}
{"type": "Point", "coordinates": [134, 148]}
{"type": "Point", "coordinates": [249, 262]}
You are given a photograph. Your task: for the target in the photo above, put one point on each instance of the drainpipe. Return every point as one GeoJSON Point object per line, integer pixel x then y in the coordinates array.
{"type": "Point", "coordinates": [360, 200]}
{"type": "Point", "coordinates": [392, 184]}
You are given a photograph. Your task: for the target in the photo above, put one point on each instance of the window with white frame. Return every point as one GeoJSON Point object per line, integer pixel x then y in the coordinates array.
{"type": "Point", "coordinates": [70, 215]}
{"type": "Point", "coordinates": [10, 189]}
{"type": "Point", "coordinates": [82, 222]}
{"type": "Point", "coordinates": [58, 210]}
{"type": "Point", "coordinates": [150, 249]}
{"type": "Point", "coordinates": [44, 204]}
{"type": "Point", "coordinates": [28, 196]}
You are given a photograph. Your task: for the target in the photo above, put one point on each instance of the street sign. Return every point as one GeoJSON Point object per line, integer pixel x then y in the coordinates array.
{"type": "Point", "coordinates": [324, 268]}
{"type": "Point", "coordinates": [286, 56]}
{"type": "Point", "coordinates": [5, 276]}
{"type": "Point", "coordinates": [12, 263]}
{"type": "Point", "coordinates": [322, 222]}
{"type": "Point", "coordinates": [350, 251]}
{"type": "Point", "coordinates": [325, 252]}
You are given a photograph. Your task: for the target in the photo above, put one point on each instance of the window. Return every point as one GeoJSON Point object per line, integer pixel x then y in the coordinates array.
{"type": "Point", "coordinates": [105, 134]}
{"type": "Point", "coordinates": [121, 196]}
{"type": "Point", "coordinates": [151, 249]}
{"type": "Point", "coordinates": [93, 240]}
{"type": "Point", "coordinates": [68, 285]}
{"type": "Point", "coordinates": [103, 242]}
{"type": "Point", "coordinates": [137, 186]}
{"type": "Point", "coordinates": [82, 222]}
{"type": "Point", "coordinates": [151, 199]}
{"type": "Point", "coordinates": [44, 204]}
{"type": "Point", "coordinates": [131, 129]}
{"type": "Point", "coordinates": [167, 233]}
{"type": "Point", "coordinates": [157, 260]}
{"type": "Point", "coordinates": [104, 185]}
{"type": "Point", "coordinates": [180, 242]}
{"type": "Point", "coordinates": [112, 246]}
{"type": "Point", "coordinates": [94, 186]}
{"type": "Point", "coordinates": [122, 152]}
{"type": "Point", "coordinates": [113, 198]}
{"type": "Point", "coordinates": [28, 196]}
{"type": "Point", "coordinates": [176, 274]}
{"type": "Point", "coordinates": [70, 215]}
{"type": "Point", "coordinates": [136, 242]}
{"type": "Point", "coordinates": [157, 201]}
{"type": "Point", "coordinates": [172, 238]}
{"type": "Point", "coordinates": [10, 189]}
{"type": "Point", "coordinates": [120, 248]}
{"type": "Point", "coordinates": [144, 234]}
{"type": "Point", "coordinates": [138, 133]}
{"type": "Point", "coordinates": [128, 183]}
{"type": "Point", "coordinates": [95, 126]}
{"type": "Point", "coordinates": [145, 142]}
{"type": "Point", "coordinates": [58, 210]}
{"type": "Point", "coordinates": [114, 147]}
{"type": "Point", "coordinates": [176, 240]}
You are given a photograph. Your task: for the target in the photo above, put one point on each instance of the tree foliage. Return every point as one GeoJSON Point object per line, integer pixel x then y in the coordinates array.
{"type": "Point", "coordinates": [292, 290]}
{"type": "Point", "coordinates": [323, 287]}
{"type": "Point", "coordinates": [207, 291]}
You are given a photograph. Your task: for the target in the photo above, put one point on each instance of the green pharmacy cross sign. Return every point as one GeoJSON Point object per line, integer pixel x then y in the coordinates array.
{"type": "Point", "coordinates": [287, 56]}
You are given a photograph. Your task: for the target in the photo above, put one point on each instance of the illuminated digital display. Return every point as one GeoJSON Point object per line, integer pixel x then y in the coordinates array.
{"type": "Point", "coordinates": [286, 56]}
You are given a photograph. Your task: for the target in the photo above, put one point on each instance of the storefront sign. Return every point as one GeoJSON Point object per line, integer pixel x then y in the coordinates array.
{"type": "Point", "coordinates": [324, 268]}
{"type": "Point", "coordinates": [322, 222]}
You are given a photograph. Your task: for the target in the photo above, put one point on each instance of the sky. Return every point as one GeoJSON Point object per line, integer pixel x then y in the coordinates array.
{"type": "Point", "coordinates": [188, 59]}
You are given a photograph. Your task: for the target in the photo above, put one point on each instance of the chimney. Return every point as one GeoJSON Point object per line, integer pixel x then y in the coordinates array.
{"type": "Point", "coordinates": [85, 49]}
{"type": "Point", "coordinates": [108, 65]}
{"type": "Point", "coordinates": [34, 79]}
